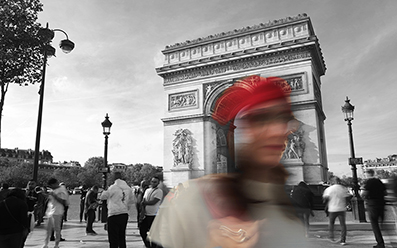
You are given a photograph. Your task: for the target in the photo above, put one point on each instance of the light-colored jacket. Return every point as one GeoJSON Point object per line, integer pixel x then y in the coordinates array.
{"type": "Point", "coordinates": [119, 198]}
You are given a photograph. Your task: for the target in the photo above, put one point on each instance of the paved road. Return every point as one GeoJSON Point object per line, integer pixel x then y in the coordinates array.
{"type": "Point", "coordinates": [359, 236]}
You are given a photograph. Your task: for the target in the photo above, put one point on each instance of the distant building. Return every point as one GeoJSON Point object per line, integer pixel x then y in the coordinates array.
{"type": "Point", "coordinates": [24, 156]}
{"type": "Point", "coordinates": [388, 164]}
{"type": "Point", "coordinates": [27, 156]}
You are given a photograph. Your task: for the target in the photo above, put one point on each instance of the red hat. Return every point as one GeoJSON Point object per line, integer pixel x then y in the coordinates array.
{"type": "Point", "coordinates": [247, 93]}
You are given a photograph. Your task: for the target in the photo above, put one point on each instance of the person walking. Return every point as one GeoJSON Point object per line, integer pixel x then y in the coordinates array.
{"type": "Point", "coordinates": [335, 197]}
{"type": "Point", "coordinates": [151, 202]}
{"type": "Point", "coordinates": [302, 199]}
{"type": "Point", "coordinates": [91, 203]}
{"type": "Point", "coordinates": [374, 196]}
{"type": "Point", "coordinates": [38, 211]}
{"type": "Point", "coordinates": [58, 198]}
{"type": "Point", "coordinates": [119, 198]}
{"type": "Point", "coordinates": [82, 204]}
{"type": "Point", "coordinates": [140, 192]}
{"type": "Point", "coordinates": [65, 213]}
{"type": "Point", "coordinates": [31, 199]}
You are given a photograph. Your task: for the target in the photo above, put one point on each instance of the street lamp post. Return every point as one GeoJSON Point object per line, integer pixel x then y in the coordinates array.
{"type": "Point", "coordinates": [106, 125]}
{"type": "Point", "coordinates": [357, 202]}
{"type": "Point", "coordinates": [46, 35]}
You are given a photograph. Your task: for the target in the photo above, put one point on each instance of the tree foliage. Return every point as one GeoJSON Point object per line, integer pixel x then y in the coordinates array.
{"type": "Point", "coordinates": [18, 174]}
{"type": "Point", "coordinates": [20, 48]}
{"type": "Point", "coordinates": [138, 172]}
{"type": "Point", "coordinates": [90, 175]}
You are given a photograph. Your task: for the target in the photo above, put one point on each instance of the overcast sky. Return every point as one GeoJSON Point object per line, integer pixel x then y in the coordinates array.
{"type": "Point", "coordinates": [118, 47]}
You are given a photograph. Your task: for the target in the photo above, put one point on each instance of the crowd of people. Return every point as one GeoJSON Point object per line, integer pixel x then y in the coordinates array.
{"type": "Point", "coordinates": [22, 210]}
{"type": "Point", "coordinates": [245, 208]}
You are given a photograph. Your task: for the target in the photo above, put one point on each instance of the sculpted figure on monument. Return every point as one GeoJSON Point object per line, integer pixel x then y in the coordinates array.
{"type": "Point", "coordinates": [295, 146]}
{"type": "Point", "coordinates": [182, 148]}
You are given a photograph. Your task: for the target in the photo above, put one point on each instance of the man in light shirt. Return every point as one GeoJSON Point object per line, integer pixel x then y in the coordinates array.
{"type": "Point", "coordinates": [151, 202]}
{"type": "Point", "coordinates": [119, 198]}
{"type": "Point", "coordinates": [335, 196]}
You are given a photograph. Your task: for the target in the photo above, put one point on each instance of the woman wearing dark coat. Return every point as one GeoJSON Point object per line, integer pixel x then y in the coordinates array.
{"type": "Point", "coordinates": [14, 222]}
{"type": "Point", "coordinates": [302, 198]}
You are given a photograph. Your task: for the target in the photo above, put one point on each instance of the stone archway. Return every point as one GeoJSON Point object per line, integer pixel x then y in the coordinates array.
{"type": "Point", "coordinates": [196, 72]}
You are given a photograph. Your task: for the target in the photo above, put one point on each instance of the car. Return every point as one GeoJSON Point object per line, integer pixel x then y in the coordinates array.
{"type": "Point", "coordinates": [77, 191]}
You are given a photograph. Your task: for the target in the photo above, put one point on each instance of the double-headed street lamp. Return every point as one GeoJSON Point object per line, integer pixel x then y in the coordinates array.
{"type": "Point", "coordinates": [106, 125]}
{"type": "Point", "coordinates": [357, 201]}
{"type": "Point", "coordinates": [46, 35]}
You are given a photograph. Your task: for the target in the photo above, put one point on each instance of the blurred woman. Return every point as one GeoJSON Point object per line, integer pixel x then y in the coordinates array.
{"type": "Point", "coordinates": [249, 208]}
{"type": "Point", "coordinates": [14, 224]}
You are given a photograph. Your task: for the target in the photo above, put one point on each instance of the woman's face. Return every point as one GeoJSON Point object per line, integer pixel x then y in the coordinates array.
{"type": "Point", "coordinates": [261, 132]}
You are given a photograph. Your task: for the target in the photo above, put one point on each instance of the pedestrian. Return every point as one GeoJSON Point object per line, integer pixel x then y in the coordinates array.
{"type": "Point", "coordinates": [374, 195]}
{"type": "Point", "coordinates": [38, 211]}
{"type": "Point", "coordinates": [82, 204]}
{"type": "Point", "coordinates": [14, 222]}
{"type": "Point", "coordinates": [58, 199]}
{"type": "Point", "coordinates": [119, 198]}
{"type": "Point", "coordinates": [336, 197]}
{"type": "Point", "coordinates": [91, 203]}
{"type": "Point", "coordinates": [248, 207]}
{"type": "Point", "coordinates": [151, 202]}
{"type": "Point", "coordinates": [65, 213]}
{"type": "Point", "coordinates": [302, 199]}
{"type": "Point", "coordinates": [4, 191]}
{"type": "Point", "coordinates": [31, 199]}
{"type": "Point", "coordinates": [140, 192]}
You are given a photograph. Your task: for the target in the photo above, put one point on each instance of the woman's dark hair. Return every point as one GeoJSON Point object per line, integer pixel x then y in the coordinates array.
{"type": "Point", "coordinates": [52, 181]}
{"type": "Point", "coordinates": [18, 193]}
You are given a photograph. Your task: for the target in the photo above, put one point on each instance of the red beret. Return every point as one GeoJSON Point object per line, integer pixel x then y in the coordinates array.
{"type": "Point", "coordinates": [247, 93]}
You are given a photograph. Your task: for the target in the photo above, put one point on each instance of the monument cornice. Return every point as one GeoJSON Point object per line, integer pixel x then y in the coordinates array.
{"type": "Point", "coordinates": [238, 32]}
{"type": "Point", "coordinates": [240, 64]}
{"type": "Point", "coordinates": [290, 32]}
{"type": "Point", "coordinates": [171, 120]}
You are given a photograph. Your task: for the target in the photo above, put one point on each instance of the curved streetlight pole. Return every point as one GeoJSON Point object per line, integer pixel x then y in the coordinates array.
{"type": "Point", "coordinates": [67, 46]}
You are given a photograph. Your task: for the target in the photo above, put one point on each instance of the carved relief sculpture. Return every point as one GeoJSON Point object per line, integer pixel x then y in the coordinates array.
{"type": "Point", "coordinates": [183, 100]}
{"type": "Point", "coordinates": [183, 148]}
{"type": "Point", "coordinates": [295, 147]}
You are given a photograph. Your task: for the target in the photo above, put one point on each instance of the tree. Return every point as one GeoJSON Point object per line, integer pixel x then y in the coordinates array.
{"type": "Point", "coordinates": [90, 175]}
{"type": "Point", "coordinates": [21, 59]}
{"type": "Point", "coordinates": [138, 172]}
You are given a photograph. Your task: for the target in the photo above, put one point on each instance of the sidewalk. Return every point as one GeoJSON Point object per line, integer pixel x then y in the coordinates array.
{"type": "Point", "coordinates": [74, 233]}
{"type": "Point", "coordinates": [359, 235]}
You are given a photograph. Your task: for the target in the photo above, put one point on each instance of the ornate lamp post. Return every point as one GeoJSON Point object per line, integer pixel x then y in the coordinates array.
{"type": "Point", "coordinates": [46, 35]}
{"type": "Point", "coordinates": [357, 201]}
{"type": "Point", "coordinates": [106, 124]}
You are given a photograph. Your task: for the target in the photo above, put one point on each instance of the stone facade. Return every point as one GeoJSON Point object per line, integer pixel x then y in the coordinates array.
{"type": "Point", "coordinates": [196, 72]}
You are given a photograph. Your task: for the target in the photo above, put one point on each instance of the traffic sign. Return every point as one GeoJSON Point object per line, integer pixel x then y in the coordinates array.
{"type": "Point", "coordinates": [355, 160]}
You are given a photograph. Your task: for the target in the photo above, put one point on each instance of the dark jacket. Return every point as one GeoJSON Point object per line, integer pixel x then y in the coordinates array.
{"type": "Point", "coordinates": [15, 218]}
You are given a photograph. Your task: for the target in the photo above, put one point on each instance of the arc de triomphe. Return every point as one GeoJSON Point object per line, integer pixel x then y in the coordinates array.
{"type": "Point", "coordinates": [196, 72]}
